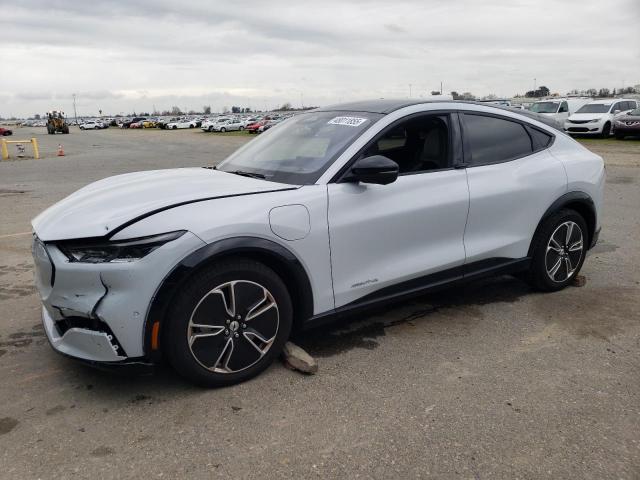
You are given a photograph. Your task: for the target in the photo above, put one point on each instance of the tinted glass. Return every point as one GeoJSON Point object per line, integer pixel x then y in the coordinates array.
{"type": "Point", "coordinates": [544, 107]}
{"type": "Point", "coordinates": [540, 138]}
{"type": "Point", "coordinates": [564, 107]}
{"type": "Point", "coordinates": [419, 144]}
{"type": "Point", "coordinates": [494, 140]}
{"type": "Point", "coordinates": [595, 108]}
{"type": "Point", "coordinates": [298, 150]}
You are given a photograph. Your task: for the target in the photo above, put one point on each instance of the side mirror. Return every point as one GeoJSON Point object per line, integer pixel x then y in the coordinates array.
{"type": "Point", "coordinates": [375, 169]}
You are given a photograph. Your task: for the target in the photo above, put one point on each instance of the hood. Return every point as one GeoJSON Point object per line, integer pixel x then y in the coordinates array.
{"type": "Point", "coordinates": [587, 116]}
{"type": "Point", "coordinates": [100, 207]}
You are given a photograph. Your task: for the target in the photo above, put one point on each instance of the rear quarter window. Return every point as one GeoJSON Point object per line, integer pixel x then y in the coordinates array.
{"type": "Point", "coordinates": [495, 140]}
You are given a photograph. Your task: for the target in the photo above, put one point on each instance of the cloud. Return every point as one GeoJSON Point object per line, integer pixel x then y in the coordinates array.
{"type": "Point", "coordinates": [120, 54]}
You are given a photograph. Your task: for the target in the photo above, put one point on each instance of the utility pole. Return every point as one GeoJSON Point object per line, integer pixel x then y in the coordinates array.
{"type": "Point", "coordinates": [75, 113]}
{"type": "Point", "coordinates": [440, 87]}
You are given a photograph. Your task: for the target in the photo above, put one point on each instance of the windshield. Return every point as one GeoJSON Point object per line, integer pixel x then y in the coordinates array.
{"type": "Point", "coordinates": [595, 108]}
{"type": "Point", "coordinates": [545, 107]}
{"type": "Point", "coordinates": [298, 150]}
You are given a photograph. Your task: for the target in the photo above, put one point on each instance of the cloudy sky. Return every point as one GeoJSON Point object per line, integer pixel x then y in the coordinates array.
{"type": "Point", "coordinates": [121, 56]}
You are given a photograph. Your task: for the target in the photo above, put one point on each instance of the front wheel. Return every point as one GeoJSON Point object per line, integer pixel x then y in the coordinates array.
{"type": "Point", "coordinates": [223, 129]}
{"type": "Point", "coordinates": [228, 323]}
{"type": "Point", "coordinates": [241, 128]}
{"type": "Point", "coordinates": [559, 248]}
{"type": "Point", "coordinates": [606, 130]}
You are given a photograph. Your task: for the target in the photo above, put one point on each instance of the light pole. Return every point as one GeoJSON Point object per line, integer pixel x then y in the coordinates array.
{"type": "Point", "coordinates": [75, 113]}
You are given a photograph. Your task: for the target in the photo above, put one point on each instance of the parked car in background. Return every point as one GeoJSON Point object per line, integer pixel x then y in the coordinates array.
{"type": "Point", "coordinates": [5, 132]}
{"type": "Point", "coordinates": [138, 124]}
{"type": "Point", "coordinates": [269, 124]}
{"type": "Point", "coordinates": [253, 127]}
{"type": "Point", "coordinates": [90, 126]}
{"type": "Point", "coordinates": [248, 121]}
{"type": "Point", "coordinates": [150, 123]}
{"type": "Point", "coordinates": [208, 125]}
{"type": "Point", "coordinates": [127, 123]}
{"type": "Point", "coordinates": [331, 212]}
{"type": "Point", "coordinates": [230, 125]}
{"type": "Point", "coordinates": [628, 125]}
{"type": "Point", "coordinates": [163, 122]}
{"type": "Point", "coordinates": [559, 108]}
{"type": "Point", "coordinates": [183, 123]}
{"type": "Point", "coordinates": [598, 117]}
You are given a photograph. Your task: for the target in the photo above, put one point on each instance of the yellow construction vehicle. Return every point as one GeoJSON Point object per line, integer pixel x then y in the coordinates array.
{"type": "Point", "coordinates": [56, 123]}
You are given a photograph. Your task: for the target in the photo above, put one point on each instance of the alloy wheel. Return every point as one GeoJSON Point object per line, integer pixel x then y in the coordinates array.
{"type": "Point", "coordinates": [233, 326]}
{"type": "Point", "coordinates": [564, 251]}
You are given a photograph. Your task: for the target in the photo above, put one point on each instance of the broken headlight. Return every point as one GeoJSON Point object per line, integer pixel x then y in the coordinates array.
{"type": "Point", "coordinates": [101, 251]}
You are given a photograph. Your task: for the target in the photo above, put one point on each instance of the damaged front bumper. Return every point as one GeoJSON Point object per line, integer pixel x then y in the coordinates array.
{"type": "Point", "coordinates": [97, 312]}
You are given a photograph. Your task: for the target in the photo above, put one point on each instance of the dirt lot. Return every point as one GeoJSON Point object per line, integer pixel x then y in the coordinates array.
{"type": "Point", "coordinates": [485, 382]}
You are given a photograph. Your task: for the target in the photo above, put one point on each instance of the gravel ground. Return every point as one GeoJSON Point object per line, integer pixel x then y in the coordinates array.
{"type": "Point", "coordinates": [487, 381]}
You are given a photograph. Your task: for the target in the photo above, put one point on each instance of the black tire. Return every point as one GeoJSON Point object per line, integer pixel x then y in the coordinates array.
{"type": "Point", "coordinates": [241, 128]}
{"type": "Point", "coordinates": [606, 130]}
{"type": "Point", "coordinates": [544, 257]}
{"type": "Point", "coordinates": [175, 127]}
{"type": "Point", "coordinates": [195, 361]}
{"type": "Point", "coordinates": [210, 128]}
{"type": "Point", "coordinates": [222, 130]}
{"type": "Point", "coordinates": [190, 126]}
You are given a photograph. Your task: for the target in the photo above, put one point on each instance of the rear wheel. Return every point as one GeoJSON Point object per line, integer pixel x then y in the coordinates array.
{"type": "Point", "coordinates": [223, 129]}
{"type": "Point", "coordinates": [241, 128]}
{"type": "Point", "coordinates": [228, 323]}
{"type": "Point", "coordinates": [558, 251]}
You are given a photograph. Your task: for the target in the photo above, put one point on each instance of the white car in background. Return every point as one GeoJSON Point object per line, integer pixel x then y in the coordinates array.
{"type": "Point", "coordinates": [233, 124]}
{"type": "Point", "coordinates": [559, 108]}
{"type": "Point", "coordinates": [183, 123]}
{"type": "Point", "coordinates": [598, 117]}
{"type": "Point", "coordinates": [207, 125]}
{"type": "Point", "coordinates": [335, 210]}
{"type": "Point", "coordinates": [91, 126]}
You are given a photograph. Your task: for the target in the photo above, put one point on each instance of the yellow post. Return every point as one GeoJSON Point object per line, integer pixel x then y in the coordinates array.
{"type": "Point", "coordinates": [36, 150]}
{"type": "Point", "coordinates": [5, 152]}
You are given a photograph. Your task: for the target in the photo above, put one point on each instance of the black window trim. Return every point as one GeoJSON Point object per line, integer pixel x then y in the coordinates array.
{"type": "Point", "coordinates": [455, 144]}
{"type": "Point", "coordinates": [527, 127]}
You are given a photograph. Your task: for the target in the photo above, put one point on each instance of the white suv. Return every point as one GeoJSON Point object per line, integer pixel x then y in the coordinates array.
{"type": "Point", "coordinates": [598, 117]}
{"type": "Point", "coordinates": [335, 210]}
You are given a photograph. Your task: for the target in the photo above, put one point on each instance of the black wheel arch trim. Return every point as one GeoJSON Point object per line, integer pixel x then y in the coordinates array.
{"type": "Point", "coordinates": [279, 258]}
{"type": "Point", "coordinates": [586, 208]}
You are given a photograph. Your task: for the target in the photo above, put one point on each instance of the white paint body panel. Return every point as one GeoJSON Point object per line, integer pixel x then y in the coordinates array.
{"type": "Point", "coordinates": [102, 206]}
{"type": "Point", "coordinates": [386, 234]}
{"type": "Point", "coordinates": [506, 198]}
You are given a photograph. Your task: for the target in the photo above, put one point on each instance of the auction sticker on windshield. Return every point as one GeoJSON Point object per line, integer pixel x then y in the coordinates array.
{"type": "Point", "coordinates": [348, 121]}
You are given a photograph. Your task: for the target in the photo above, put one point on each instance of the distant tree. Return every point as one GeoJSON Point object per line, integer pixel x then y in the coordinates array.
{"type": "Point", "coordinates": [435, 92]}
{"type": "Point", "coordinates": [456, 95]}
{"type": "Point", "coordinates": [175, 111]}
{"type": "Point", "coordinates": [235, 109]}
{"type": "Point", "coordinates": [468, 96]}
{"type": "Point", "coordinates": [285, 106]}
{"type": "Point", "coordinates": [592, 92]}
{"type": "Point", "coordinates": [191, 112]}
{"type": "Point", "coordinates": [206, 109]}
{"type": "Point", "coordinates": [604, 92]}
{"type": "Point", "coordinates": [37, 116]}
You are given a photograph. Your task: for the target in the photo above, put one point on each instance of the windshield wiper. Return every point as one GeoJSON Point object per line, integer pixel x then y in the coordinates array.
{"type": "Point", "coordinates": [249, 174]}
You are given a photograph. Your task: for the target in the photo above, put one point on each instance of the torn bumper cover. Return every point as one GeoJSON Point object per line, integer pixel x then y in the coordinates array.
{"type": "Point", "coordinates": [96, 312]}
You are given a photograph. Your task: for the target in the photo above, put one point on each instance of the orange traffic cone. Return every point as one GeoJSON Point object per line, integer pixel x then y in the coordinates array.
{"type": "Point", "coordinates": [60, 151]}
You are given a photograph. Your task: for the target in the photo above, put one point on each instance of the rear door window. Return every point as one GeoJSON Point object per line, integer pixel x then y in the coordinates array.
{"type": "Point", "coordinates": [494, 140]}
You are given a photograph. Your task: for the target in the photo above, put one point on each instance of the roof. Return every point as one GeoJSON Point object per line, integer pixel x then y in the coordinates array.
{"type": "Point", "coordinates": [386, 106]}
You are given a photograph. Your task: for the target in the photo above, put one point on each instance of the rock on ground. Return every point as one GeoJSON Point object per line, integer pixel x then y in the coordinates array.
{"type": "Point", "coordinates": [296, 358]}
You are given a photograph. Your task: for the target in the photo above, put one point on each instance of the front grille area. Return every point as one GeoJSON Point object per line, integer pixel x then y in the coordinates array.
{"type": "Point", "coordinates": [578, 129]}
{"type": "Point", "coordinates": [578, 122]}
{"type": "Point", "coordinates": [64, 324]}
